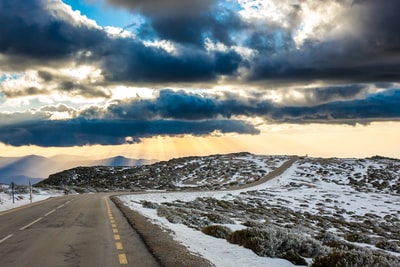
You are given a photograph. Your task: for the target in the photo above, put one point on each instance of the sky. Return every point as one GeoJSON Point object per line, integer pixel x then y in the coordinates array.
{"type": "Point", "coordinates": [166, 78]}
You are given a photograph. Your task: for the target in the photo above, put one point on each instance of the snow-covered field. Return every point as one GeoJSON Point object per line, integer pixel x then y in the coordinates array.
{"type": "Point", "coordinates": [351, 202]}
{"type": "Point", "coordinates": [218, 251]}
{"type": "Point", "coordinates": [21, 199]}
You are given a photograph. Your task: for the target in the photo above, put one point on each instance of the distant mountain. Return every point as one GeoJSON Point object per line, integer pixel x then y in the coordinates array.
{"type": "Point", "coordinates": [121, 161]}
{"type": "Point", "coordinates": [36, 168]}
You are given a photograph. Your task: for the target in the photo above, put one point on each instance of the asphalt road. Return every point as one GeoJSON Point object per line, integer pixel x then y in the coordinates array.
{"type": "Point", "coordinates": [78, 230]}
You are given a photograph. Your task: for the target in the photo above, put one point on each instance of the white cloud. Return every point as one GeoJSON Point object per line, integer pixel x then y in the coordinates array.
{"type": "Point", "coordinates": [125, 92]}
{"type": "Point", "coordinates": [116, 32]}
{"type": "Point", "coordinates": [168, 46]}
{"type": "Point", "coordinates": [309, 19]}
{"type": "Point", "coordinates": [17, 83]}
{"type": "Point", "coordinates": [87, 73]}
{"type": "Point", "coordinates": [58, 9]}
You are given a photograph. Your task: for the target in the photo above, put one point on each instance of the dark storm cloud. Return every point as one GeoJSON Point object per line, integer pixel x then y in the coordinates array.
{"type": "Point", "coordinates": [182, 105]}
{"type": "Point", "coordinates": [40, 35]}
{"type": "Point", "coordinates": [372, 55]}
{"type": "Point", "coordinates": [160, 7]}
{"type": "Point", "coordinates": [331, 93]}
{"type": "Point", "coordinates": [318, 62]}
{"type": "Point", "coordinates": [81, 132]}
{"type": "Point", "coordinates": [28, 29]}
{"type": "Point", "coordinates": [183, 21]}
{"type": "Point", "coordinates": [218, 24]}
{"type": "Point", "coordinates": [128, 60]}
{"type": "Point", "coordinates": [375, 107]}
{"type": "Point", "coordinates": [176, 113]}
{"type": "Point", "coordinates": [189, 106]}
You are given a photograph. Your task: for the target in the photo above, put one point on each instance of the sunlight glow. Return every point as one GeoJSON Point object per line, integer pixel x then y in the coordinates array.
{"type": "Point", "coordinates": [124, 92]}
{"type": "Point", "coordinates": [85, 72]}
{"type": "Point", "coordinates": [318, 21]}
{"type": "Point", "coordinates": [317, 140]}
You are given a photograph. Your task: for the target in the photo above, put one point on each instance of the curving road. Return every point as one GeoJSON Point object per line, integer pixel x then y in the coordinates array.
{"type": "Point", "coordinates": [271, 175]}
{"type": "Point", "coordinates": [79, 230]}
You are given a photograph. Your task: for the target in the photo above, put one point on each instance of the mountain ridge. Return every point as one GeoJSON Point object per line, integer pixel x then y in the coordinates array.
{"type": "Point", "coordinates": [35, 168]}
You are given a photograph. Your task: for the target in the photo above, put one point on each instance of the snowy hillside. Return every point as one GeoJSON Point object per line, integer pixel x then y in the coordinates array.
{"type": "Point", "coordinates": [318, 212]}
{"type": "Point", "coordinates": [212, 172]}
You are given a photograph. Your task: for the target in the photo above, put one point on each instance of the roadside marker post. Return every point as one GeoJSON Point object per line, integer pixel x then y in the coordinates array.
{"type": "Point", "coordinates": [30, 191]}
{"type": "Point", "coordinates": [12, 190]}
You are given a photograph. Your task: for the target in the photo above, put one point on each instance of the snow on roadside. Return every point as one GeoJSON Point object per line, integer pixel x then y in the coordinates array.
{"type": "Point", "coordinates": [307, 186]}
{"type": "Point", "coordinates": [6, 200]}
{"type": "Point", "coordinates": [218, 251]}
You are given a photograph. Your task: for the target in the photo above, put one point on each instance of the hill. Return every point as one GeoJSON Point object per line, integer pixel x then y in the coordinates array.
{"type": "Point", "coordinates": [210, 172]}
{"type": "Point", "coordinates": [226, 171]}
{"type": "Point", "coordinates": [35, 168]}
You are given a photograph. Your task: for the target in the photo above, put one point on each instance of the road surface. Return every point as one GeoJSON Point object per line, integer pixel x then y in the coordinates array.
{"type": "Point", "coordinates": [273, 174]}
{"type": "Point", "coordinates": [78, 230]}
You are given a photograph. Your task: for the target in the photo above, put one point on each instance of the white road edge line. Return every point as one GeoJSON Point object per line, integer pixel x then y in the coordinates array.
{"type": "Point", "coordinates": [62, 205]}
{"type": "Point", "coordinates": [26, 226]}
{"type": "Point", "coordinates": [50, 212]}
{"type": "Point", "coordinates": [5, 238]}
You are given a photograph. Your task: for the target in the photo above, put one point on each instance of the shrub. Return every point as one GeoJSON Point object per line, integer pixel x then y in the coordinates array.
{"type": "Point", "coordinates": [218, 218]}
{"type": "Point", "coordinates": [388, 245]}
{"type": "Point", "coordinates": [218, 231]}
{"type": "Point", "coordinates": [339, 244]}
{"type": "Point", "coordinates": [274, 242]}
{"type": "Point", "coordinates": [354, 237]}
{"type": "Point", "coordinates": [355, 258]}
{"type": "Point", "coordinates": [293, 257]}
{"type": "Point", "coordinates": [357, 237]}
{"type": "Point", "coordinates": [149, 205]}
{"type": "Point", "coordinates": [169, 214]}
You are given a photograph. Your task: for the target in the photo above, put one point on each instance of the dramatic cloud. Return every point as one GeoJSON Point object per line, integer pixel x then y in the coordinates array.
{"type": "Point", "coordinates": [81, 132]}
{"type": "Point", "coordinates": [182, 105]}
{"type": "Point", "coordinates": [132, 61]}
{"type": "Point", "coordinates": [183, 113]}
{"type": "Point", "coordinates": [160, 7]}
{"type": "Point", "coordinates": [75, 83]}
{"type": "Point", "coordinates": [44, 30]}
{"type": "Point", "coordinates": [365, 49]}
{"type": "Point", "coordinates": [219, 24]}
{"type": "Point", "coordinates": [52, 37]}
{"type": "Point", "coordinates": [368, 51]}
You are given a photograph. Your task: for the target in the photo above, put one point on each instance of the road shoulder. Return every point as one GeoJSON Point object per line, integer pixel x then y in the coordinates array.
{"type": "Point", "coordinates": [167, 251]}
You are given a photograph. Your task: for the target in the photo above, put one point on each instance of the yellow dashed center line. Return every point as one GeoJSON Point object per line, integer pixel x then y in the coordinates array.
{"type": "Point", "coordinates": [122, 258]}
{"type": "Point", "coordinates": [118, 245]}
